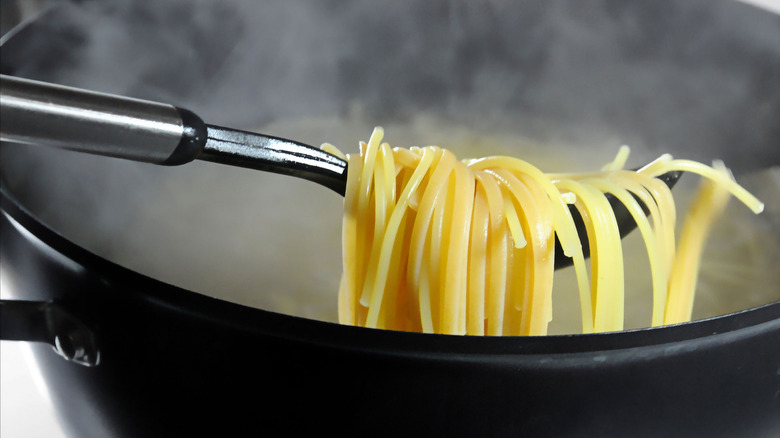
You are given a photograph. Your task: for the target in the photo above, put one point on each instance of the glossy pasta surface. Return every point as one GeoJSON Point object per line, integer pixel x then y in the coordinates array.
{"type": "Point", "coordinates": [440, 245]}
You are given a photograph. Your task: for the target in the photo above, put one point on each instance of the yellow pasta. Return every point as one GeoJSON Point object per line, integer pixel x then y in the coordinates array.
{"type": "Point", "coordinates": [709, 203]}
{"type": "Point", "coordinates": [437, 245]}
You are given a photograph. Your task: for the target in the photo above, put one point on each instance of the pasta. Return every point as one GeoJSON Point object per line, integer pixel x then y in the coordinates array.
{"type": "Point", "coordinates": [437, 245]}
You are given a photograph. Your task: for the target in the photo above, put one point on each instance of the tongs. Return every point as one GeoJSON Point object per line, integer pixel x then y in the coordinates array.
{"type": "Point", "coordinates": [46, 114]}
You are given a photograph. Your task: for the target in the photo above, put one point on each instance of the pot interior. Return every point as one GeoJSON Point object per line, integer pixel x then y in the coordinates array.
{"type": "Point", "coordinates": [559, 85]}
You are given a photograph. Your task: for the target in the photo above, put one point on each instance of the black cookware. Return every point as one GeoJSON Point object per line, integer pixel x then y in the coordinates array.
{"type": "Point", "coordinates": [139, 357]}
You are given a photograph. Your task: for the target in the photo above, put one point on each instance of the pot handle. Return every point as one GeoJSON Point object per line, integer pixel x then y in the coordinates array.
{"type": "Point", "coordinates": [49, 322]}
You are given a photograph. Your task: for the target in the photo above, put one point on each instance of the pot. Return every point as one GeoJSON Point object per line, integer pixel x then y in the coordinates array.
{"type": "Point", "coordinates": [171, 297]}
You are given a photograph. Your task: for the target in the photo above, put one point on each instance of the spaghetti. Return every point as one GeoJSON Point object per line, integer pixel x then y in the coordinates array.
{"type": "Point", "coordinates": [437, 245]}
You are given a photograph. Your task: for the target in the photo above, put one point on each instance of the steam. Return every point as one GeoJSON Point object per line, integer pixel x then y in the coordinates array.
{"type": "Point", "coordinates": [621, 68]}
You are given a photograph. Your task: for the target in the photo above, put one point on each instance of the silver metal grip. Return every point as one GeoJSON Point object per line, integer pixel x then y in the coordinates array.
{"type": "Point", "coordinates": [70, 118]}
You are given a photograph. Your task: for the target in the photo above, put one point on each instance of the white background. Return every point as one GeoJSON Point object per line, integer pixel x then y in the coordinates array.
{"type": "Point", "coordinates": [25, 411]}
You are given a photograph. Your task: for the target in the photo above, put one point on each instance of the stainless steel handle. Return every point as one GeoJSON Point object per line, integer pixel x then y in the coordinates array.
{"type": "Point", "coordinates": [70, 118]}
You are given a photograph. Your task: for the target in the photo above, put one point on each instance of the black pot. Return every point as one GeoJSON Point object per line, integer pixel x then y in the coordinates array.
{"type": "Point", "coordinates": [146, 358]}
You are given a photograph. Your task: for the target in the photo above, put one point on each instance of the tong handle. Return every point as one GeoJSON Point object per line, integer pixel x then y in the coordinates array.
{"type": "Point", "coordinates": [46, 114]}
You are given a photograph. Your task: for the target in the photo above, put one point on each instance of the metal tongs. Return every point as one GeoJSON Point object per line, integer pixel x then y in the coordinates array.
{"type": "Point", "coordinates": [46, 114]}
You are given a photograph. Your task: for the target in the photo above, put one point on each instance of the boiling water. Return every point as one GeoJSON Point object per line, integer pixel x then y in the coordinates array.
{"type": "Point", "coordinates": [274, 242]}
